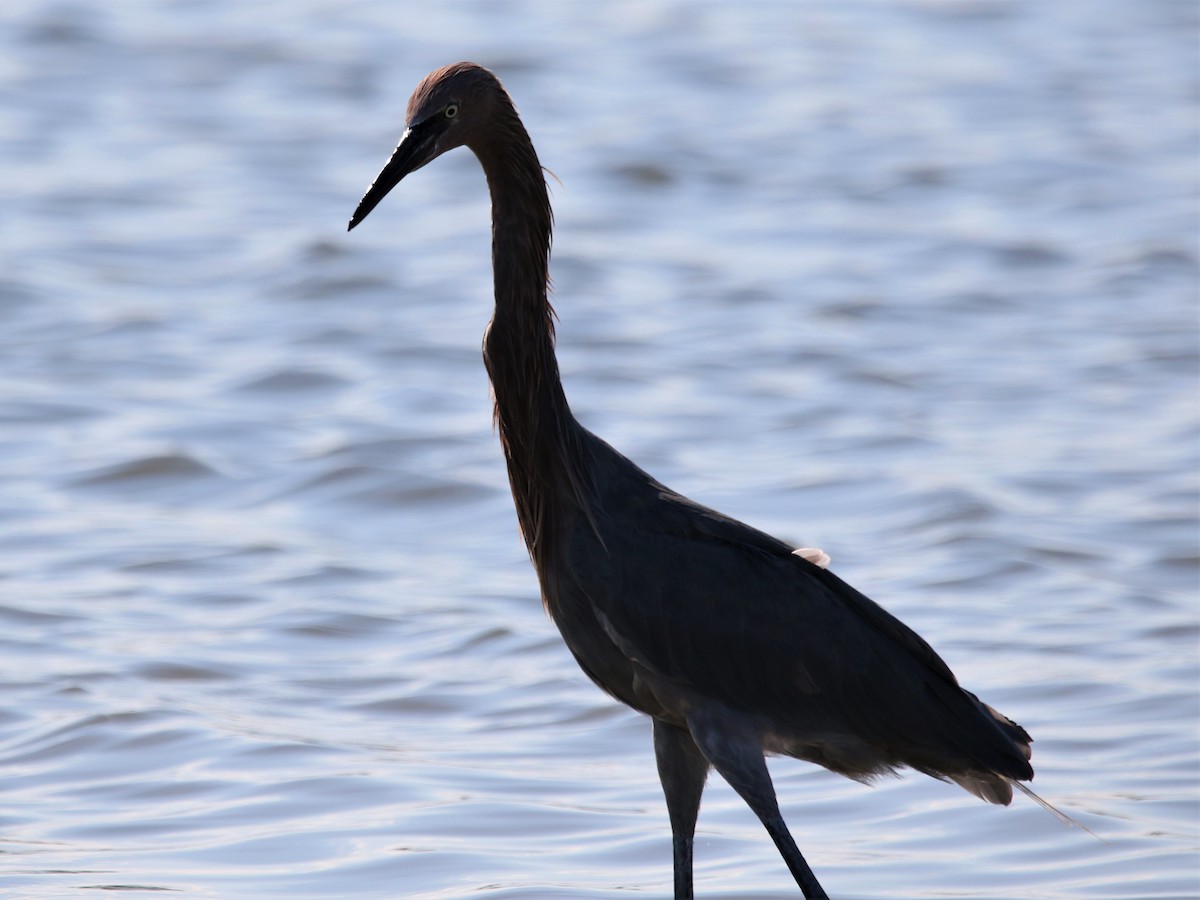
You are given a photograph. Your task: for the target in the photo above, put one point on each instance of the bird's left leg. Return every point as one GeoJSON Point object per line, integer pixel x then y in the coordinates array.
{"type": "Point", "coordinates": [682, 769]}
{"type": "Point", "coordinates": [735, 750]}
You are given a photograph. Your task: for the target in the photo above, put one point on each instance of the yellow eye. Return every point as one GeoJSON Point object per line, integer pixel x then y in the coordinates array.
{"type": "Point", "coordinates": [451, 111]}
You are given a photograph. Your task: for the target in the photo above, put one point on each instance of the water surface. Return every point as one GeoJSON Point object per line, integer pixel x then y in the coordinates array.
{"type": "Point", "coordinates": [914, 282]}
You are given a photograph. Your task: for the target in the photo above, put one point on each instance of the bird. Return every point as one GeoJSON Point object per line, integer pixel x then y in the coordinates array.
{"type": "Point", "coordinates": [736, 644]}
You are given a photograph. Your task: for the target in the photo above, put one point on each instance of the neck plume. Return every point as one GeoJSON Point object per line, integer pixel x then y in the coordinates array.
{"type": "Point", "coordinates": [539, 435]}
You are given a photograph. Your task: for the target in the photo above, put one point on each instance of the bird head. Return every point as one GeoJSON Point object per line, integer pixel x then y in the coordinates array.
{"type": "Point", "coordinates": [448, 109]}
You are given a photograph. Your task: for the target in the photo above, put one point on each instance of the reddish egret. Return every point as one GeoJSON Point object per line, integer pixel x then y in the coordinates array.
{"type": "Point", "coordinates": [733, 642]}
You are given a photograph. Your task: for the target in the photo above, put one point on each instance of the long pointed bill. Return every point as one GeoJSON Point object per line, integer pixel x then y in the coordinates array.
{"type": "Point", "coordinates": [410, 154]}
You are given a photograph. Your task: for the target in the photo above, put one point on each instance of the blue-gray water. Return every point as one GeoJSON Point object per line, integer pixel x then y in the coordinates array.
{"type": "Point", "coordinates": [915, 282]}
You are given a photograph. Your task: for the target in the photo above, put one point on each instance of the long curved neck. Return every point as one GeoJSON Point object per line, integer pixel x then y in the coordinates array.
{"type": "Point", "coordinates": [539, 435]}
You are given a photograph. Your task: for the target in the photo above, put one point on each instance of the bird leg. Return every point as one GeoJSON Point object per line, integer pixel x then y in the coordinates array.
{"type": "Point", "coordinates": [682, 769]}
{"type": "Point", "coordinates": [735, 750]}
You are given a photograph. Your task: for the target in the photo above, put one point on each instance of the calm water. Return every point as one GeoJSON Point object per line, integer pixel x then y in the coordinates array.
{"type": "Point", "coordinates": [915, 282]}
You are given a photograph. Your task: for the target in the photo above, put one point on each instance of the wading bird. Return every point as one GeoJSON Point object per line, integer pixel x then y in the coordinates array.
{"type": "Point", "coordinates": [736, 644]}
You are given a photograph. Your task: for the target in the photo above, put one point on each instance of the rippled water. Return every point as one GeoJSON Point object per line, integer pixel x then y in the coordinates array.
{"type": "Point", "coordinates": [915, 282]}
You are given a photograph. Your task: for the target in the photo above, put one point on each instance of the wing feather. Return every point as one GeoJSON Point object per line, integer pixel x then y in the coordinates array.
{"type": "Point", "coordinates": [733, 615]}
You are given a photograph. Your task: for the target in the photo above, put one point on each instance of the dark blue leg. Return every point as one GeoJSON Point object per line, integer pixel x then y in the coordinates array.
{"type": "Point", "coordinates": [682, 769]}
{"type": "Point", "coordinates": [736, 752]}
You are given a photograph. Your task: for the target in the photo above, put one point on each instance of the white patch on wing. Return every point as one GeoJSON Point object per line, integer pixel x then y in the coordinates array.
{"type": "Point", "coordinates": [814, 555]}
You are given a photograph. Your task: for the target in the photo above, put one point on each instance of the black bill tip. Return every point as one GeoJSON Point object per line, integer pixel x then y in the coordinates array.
{"type": "Point", "coordinates": [413, 151]}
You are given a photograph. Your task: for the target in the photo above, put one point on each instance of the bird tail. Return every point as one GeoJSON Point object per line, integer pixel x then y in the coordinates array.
{"type": "Point", "coordinates": [994, 782]}
{"type": "Point", "coordinates": [1018, 735]}
{"type": "Point", "coordinates": [1055, 811]}
{"type": "Point", "coordinates": [989, 787]}
{"type": "Point", "coordinates": [995, 787]}
{"type": "Point", "coordinates": [998, 789]}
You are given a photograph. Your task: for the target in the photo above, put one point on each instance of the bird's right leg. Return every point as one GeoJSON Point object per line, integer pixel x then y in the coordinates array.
{"type": "Point", "coordinates": [682, 769]}
{"type": "Point", "coordinates": [735, 750]}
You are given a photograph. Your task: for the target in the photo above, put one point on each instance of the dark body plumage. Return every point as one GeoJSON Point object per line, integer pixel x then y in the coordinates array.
{"type": "Point", "coordinates": [735, 645]}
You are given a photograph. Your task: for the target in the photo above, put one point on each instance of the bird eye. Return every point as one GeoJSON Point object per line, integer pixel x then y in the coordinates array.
{"type": "Point", "coordinates": [451, 111]}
